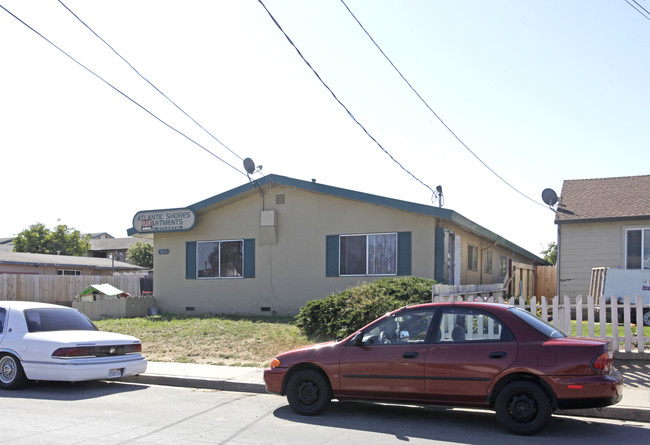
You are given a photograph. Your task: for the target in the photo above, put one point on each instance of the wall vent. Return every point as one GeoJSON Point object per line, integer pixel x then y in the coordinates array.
{"type": "Point", "coordinates": [280, 199]}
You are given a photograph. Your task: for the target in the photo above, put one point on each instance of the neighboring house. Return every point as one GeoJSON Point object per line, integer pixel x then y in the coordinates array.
{"type": "Point", "coordinates": [271, 246]}
{"type": "Point", "coordinates": [115, 248]}
{"type": "Point", "coordinates": [42, 264]}
{"type": "Point", "coordinates": [601, 223]}
{"type": "Point", "coordinates": [6, 244]}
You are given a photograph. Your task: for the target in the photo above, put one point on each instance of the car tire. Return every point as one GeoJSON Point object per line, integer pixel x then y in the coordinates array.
{"type": "Point", "coordinates": [308, 392]}
{"type": "Point", "coordinates": [12, 375]}
{"type": "Point", "coordinates": [523, 408]}
{"type": "Point", "coordinates": [646, 317]}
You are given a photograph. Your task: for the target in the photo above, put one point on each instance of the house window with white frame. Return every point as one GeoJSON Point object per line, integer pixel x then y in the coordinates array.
{"type": "Point", "coordinates": [220, 259]}
{"type": "Point", "coordinates": [637, 248]}
{"type": "Point", "coordinates": [368, 254]}
{"type": "Point", "coordinates": [68, 272]}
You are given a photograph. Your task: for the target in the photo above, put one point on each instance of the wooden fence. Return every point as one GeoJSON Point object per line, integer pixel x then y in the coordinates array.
{"type": "Point", "coordinates": [591, 319]}
{"type": "Point", "coordinates": [546, 281]}
{"type": "Point", "coordinates": [59, 289]}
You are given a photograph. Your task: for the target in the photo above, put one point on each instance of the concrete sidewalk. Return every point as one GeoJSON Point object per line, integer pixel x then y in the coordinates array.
{"type": "Point", "coordinates": [635, 405]}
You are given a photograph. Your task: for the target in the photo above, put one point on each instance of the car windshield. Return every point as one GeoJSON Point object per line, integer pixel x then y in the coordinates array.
{"type": "Point", "coordinates": [52, 319]}
{"type": "Point", "coordinates": [538, 324]}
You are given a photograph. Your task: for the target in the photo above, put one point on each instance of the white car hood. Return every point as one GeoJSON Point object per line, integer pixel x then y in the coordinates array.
{"type": "Point", "coordinates": [81, 337]}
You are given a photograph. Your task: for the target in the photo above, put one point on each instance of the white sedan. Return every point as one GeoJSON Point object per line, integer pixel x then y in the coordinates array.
{"type": "Point", "coordinates": [40, 341]}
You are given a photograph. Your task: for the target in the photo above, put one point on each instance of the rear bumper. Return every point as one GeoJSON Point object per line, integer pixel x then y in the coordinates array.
{"type": "Point", "coordinates": [84, 369]}
{"type": "Point", "coordinates": [597, 391]}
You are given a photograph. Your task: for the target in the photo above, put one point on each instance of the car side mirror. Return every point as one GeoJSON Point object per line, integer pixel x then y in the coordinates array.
{"type": "Point", "coordinates": [357, 340]}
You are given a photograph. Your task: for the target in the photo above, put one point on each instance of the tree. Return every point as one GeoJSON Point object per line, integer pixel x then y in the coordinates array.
{"type": "Point", "coordinates": [550, 253]}
{"type": "Point", "coordinates": [62, 240]}
{"type": "Point", "coordinates": [141, 254]}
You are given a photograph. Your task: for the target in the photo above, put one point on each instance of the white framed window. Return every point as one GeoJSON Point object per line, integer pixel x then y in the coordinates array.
{"type": "Point", "coordinates": [68, 272]}
{"type": "Point", "coordinates": [637, 248]}
{"type": "Point", "coordinates": [220, 259]}
{"type": "Point", "coordinates": [368, 254]}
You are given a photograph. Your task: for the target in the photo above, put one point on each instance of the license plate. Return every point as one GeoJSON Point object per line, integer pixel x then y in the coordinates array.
{"type": "Point", "coordinates": [114, 373]}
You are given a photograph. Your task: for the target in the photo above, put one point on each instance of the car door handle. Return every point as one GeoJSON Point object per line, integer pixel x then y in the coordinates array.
{"type": "Point", "coordinates": [410, 355]}
{"type": "Point", "coordinates": [499, 354]}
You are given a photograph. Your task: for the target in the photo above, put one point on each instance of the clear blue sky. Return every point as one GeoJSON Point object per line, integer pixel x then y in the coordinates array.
{"type": "Point", "coordinates": [541, 91]}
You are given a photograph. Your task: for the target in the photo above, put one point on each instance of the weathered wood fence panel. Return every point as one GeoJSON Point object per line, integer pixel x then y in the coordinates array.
{"type": "Point", "coordinates": [546, 281]}
{"type": "Point", "coordinates": [59, 288]}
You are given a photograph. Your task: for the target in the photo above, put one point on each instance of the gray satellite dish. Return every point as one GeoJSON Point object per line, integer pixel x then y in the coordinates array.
{"type": "Point", "coordinates": [249, 166]}
{"type": "Point", "coordinates": [549, 197]}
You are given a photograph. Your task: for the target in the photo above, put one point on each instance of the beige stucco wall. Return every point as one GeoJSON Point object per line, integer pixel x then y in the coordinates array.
{"type": "Point", "coordinates": [291, 272]}
{"type": "Point", "coordinates": [584, 246]}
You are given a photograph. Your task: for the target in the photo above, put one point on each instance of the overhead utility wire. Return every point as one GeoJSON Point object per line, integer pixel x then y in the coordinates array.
{"type": "Point", "coordinates": [147, 80]}
{"type": "Point", "coordinates": [434, 113]}
{"type": "Point", "coordinates": [637, 9]}
{"type": "Point", "coordinates": [123, 94]}
{"type": "Point", "coordinates": [435, 194]}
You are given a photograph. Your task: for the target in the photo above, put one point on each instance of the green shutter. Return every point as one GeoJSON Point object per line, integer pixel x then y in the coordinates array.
{"type": "Point", "coordinates": [404, 253]}
{"type": "Point", "coordinates": [249, 258]}
{"type": "Point", "coordinates": [190, 260]}
{"type": "Point", "coordinates": [332, 256]}
{"type": "Point", "coordinates": [439, 272]}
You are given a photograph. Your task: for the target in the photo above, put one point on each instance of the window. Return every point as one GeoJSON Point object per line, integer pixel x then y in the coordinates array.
{"type": "Point", "coordinates": [471, 325]}
{"type": "Point", "coordinates": [503, 265]}
{"type": "Point", "coordinates": [220, 259]}
{"type": "Point", "coordinates": [487, 265]}
{"type": "Point", "coordinates": [40, 320]}
{"type": "Point", "coordinates": [637, 248]}
{"type": "Point", "coordinates": [374, 254]}
{"type": "Point", "coordinates": [68, 272]}
{"type": "Point", "coordinates": [400, 328]}
{"type": "Point", "coordinates": [472, 257]}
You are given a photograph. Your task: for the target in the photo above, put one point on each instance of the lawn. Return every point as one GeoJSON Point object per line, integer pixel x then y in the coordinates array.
{"type": "Point", "coordinates": [211, 339]}
{"type": "Point", "coordinates": [621, 329]}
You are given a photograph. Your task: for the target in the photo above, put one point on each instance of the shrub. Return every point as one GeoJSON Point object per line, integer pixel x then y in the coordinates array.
{"type": "Point", "coordinates": [338, 315]}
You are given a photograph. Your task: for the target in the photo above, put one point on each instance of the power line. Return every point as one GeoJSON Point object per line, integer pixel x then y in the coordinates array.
{"type": "Point", "coordinates": [147, 80]}
{"type": "Point", "coordinates": [435, 194]}
{"type": "Point", "coordinates": [637, 8]}
{"type": "Point", "coordinates": [434, 113]}
{"type": "Point", "coordinates": [119, 91]}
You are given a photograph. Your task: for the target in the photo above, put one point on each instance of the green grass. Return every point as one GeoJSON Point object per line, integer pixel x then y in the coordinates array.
{"type": "Point", "coordinates": [609, 329]}
{"type": "Point", "coordinates": [210, 339]}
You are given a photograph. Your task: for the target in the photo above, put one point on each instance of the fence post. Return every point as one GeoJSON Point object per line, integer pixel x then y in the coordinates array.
{"type": "Point", "coordinates": [640, 340]}
{"type": "Point", "coordinates": [579, 327]}
{"type": "Point", "coordinates": [627, 327]}
{"type": "Point", "coordinates": [614, 315]}
{"type": "Point", "coordinates": [544, 309]}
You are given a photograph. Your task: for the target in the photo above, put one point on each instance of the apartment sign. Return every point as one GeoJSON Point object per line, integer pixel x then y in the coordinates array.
{"type": "Point", "coordinates": [170, 220]}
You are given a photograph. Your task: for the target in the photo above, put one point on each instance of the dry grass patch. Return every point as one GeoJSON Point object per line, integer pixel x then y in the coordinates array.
{"type": "Point", "coordinates": [211, 339]}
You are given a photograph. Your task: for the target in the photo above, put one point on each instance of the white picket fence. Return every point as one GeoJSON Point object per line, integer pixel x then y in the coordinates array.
{"type": "Point", "coordinates": [587, 315]}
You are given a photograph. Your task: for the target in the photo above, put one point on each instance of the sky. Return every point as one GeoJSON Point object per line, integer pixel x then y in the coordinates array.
{"type": "Point", "coordinates": [539, 91]}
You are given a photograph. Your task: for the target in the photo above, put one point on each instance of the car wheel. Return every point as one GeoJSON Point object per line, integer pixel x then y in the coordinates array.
{"type": "Point", "coordinates": [12, 375]}
{"type": "Point", "coordinates": [523, 408]}
{"type": "Point", "coordinates": [646, 317]}
{"type": "Point", "coordinates": [308, 392]}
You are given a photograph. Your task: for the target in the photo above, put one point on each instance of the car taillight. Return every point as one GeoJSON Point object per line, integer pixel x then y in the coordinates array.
{"type": "Point", "coordinates": [97, 351]}
{"type": "Point", "coordinates": [603, 363]}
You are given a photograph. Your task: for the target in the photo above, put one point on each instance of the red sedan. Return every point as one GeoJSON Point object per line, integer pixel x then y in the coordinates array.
{"type": "Point", "coordinates": [462, 354]}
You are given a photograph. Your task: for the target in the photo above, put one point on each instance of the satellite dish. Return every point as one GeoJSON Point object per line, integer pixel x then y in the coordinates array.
{"type": "Point", "coordinates": [249, 166]}
{"type": "Point", "coordinates": [549, 197]}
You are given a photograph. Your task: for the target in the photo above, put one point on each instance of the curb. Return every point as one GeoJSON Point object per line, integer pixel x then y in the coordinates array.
{"type": "Point", "coordinates": [616, 412]}
{"type": "Point", "coordinates": [629, 413]}
{"type": "Point", "coordinates": [202, 383]}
